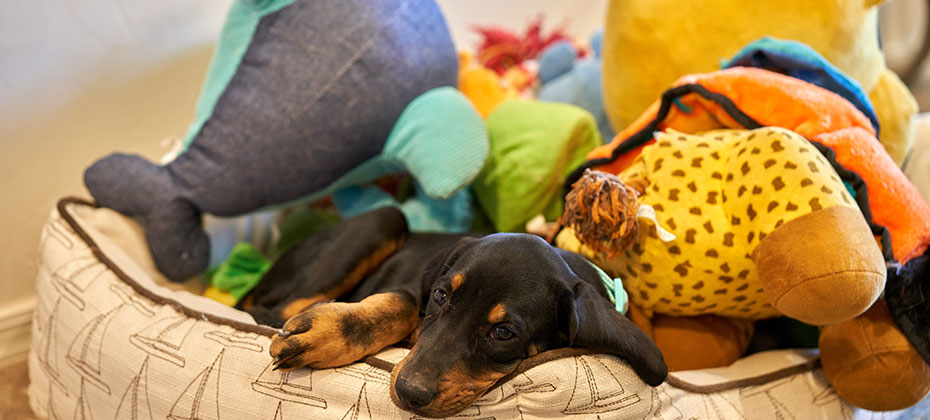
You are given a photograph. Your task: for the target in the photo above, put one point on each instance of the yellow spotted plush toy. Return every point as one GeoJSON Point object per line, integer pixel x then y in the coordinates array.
{"type": "Point", "coordinates": [723, 193]}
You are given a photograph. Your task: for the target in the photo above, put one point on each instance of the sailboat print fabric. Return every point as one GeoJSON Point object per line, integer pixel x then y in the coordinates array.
{"type": "Point", "coordinates": [108, 343]}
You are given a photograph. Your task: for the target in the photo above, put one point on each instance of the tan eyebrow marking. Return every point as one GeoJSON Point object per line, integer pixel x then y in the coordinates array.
{"type": "Point", "coordinates": [497, 313]}
{"type": "Point", "coordinates": [457, 281]}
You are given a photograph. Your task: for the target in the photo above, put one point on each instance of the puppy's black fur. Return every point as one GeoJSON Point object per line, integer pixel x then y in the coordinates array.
{"type": "Point", "coordinates": [475, 306]}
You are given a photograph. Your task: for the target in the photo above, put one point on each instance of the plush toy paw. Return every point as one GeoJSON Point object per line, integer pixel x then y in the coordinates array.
{"type": "Point", "coordinates": [699, 342]}
{"type": "Point", "coordinates": [871, 364]}
{"type": "Point", "coordinates": [821, 268]}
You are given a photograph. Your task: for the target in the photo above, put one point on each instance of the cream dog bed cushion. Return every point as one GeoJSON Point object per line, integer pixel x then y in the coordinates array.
{"type": "Point", "coordinates": [110, 342]}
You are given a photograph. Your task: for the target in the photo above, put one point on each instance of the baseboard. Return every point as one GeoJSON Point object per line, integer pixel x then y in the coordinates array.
{"type": "Point", "coordinates": [15, 331]}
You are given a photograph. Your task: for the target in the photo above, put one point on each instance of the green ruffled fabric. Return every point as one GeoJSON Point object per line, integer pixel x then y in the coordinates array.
{"type": "Point", "coordinates": [242, 271]}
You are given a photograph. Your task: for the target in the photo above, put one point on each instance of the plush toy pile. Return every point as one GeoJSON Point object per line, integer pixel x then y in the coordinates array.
{"type": "Point", "coordinates": [772, 214]}
{"type": "Point", "coordinates": [762, 183]}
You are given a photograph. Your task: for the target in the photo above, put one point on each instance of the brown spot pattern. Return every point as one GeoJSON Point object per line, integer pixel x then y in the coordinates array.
{"type": "Point", "coordinates": [708, 227]}
{"type": "Point", "coordinates": [778, 183]}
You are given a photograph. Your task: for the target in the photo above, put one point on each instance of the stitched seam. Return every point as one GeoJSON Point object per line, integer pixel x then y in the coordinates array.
{"type": "Point", "coordinates": [882, 351]}
{"type": "Point", "coordinates": [345, 67]}
{"type": "Point", "coordinates": [876, 273]}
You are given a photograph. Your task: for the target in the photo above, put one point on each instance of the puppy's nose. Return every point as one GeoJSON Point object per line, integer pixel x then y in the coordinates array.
{"type": "Point", "coordinates": [415, 395]}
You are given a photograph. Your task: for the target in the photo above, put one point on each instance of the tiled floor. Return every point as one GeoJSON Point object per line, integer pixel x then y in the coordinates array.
{"type": "Point", "coordinates": [14, 403]}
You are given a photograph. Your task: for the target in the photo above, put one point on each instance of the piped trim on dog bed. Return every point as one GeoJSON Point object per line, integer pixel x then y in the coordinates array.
{"type": "Point", "coordinates": [375, 361]}
{"type": "Point", "coordinates": [734, 378]}
{"type": "Point", "coordinates": [161, 300]}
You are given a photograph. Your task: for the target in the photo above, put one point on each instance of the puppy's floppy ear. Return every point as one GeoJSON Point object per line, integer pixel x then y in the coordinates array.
{"type": "Point", "coordinates": [590, 321]}
{"type": "Point", "coordinates": [435, 268]}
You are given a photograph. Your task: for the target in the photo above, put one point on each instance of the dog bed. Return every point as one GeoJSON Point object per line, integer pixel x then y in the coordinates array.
{"type": "Point", "coordinates": [111, 341]}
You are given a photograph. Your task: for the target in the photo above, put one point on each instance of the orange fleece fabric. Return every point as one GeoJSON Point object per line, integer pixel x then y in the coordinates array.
{"type": "Point", "coordinates": [772, 99]}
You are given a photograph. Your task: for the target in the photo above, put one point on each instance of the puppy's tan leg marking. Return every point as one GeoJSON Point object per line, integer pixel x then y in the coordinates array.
{"type": "Point", "coordinates": [247, 302]}
{"type": "Point", "coordinates": [365, 267]}
{"type": "Point", "coordinates": [297, 306]}
{"type": "Point", "coordinates": [336, 334]}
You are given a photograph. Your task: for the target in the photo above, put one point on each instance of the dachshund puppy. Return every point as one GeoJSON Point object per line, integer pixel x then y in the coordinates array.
{"type": "Point", "coordinates": [475, 307]}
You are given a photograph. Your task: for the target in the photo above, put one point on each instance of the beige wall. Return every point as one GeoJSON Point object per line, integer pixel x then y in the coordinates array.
{"type": "Point", "coordinates": [79, 80]}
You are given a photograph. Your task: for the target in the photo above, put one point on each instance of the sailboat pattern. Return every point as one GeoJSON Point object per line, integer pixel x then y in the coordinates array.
{"type": "Point", "coordinates": [163, 339]}
{"type": "Point", "coordinates": [201, 399]}
{"type": "Point", "coordinates": [292, 386]}
{"type": "Point", "coordinates": [135, 402]}
{"type": "Point", "coordinates": [74, 277]}
{"type": "Point", "coordinates": [82, 410]}
{"type": "Point", "coordinates": [359, 410]}
{"type": "Point", "coordinates": [86, 352]}
{"type": "Point", "coordinates": [47, 351]}
{"type": "Point", "coordinates": [129, 297]}
{"type": "Point", "coordinates": [102, 350]}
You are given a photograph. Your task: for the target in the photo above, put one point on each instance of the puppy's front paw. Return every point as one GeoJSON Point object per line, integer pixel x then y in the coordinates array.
{"type": "Point", "coordinates": [335, 334]}
{"type": "Point", "coordinates": [315, 338]}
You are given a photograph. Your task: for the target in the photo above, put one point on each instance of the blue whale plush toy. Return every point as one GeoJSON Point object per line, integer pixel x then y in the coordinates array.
{"type": "Point", "coordinates": [302, 99]}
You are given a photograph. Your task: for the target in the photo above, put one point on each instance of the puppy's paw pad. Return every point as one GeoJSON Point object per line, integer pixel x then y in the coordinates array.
{"type": "Point", "coordinates": [314, 339]}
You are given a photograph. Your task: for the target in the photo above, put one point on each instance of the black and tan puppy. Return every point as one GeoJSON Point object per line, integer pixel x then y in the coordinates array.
{"type": "Point", "coordinates": [477, 307]}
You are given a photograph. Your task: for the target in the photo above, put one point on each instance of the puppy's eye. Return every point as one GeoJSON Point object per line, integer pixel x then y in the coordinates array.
{"type": "Point", "coordinates": [439, 296]}
{"type": "Point", "coordinates": [501, 333]}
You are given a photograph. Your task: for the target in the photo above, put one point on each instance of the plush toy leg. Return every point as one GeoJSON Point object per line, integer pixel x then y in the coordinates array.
{"type": "Point", "coordinates": [821, 268]}
{"type": "Point", "coordinates": [871, 364]}
{"type": "Point", "coordinates": [423, 213]}
{"type": "Point", "coordinates": [137, 188]}
{"type": "Point", "coordinates": [699, 342]}
{"type": "Point", "coordinates": [441, 140]}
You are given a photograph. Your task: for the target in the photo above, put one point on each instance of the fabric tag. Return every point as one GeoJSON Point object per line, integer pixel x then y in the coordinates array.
{"type": "Point", "coordinates": [615, 291]}
{"type": "Point", "coordinates": [646, 211]}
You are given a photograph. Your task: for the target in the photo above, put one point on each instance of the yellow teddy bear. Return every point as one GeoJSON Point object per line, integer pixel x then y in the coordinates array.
{"type": "Point", "coordinates": [650, 44]}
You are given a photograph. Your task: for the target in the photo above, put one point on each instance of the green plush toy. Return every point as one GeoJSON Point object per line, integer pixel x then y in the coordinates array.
{"type": "Point", "coordinates": [534, 146]}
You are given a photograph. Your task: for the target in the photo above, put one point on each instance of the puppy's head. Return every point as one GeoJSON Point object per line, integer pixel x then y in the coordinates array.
{"type": "Point", "coordinates": [491, 302]}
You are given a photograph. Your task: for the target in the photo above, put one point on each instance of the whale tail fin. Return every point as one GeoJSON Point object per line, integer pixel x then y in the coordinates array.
{"type": "Point", "coordinates": [140, 189]}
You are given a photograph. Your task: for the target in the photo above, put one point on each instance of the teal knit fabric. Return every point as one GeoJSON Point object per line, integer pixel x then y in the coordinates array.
{"type": "Point", "coordinates": [442, 141]}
